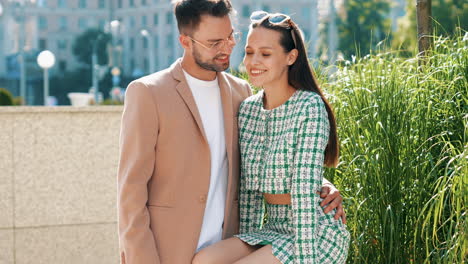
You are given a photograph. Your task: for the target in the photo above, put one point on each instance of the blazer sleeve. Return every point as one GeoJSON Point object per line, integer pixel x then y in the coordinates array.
{"type": "Point", "coordinates": [312, 139]}
{"type": "Point", "coordinates": [138, 138]}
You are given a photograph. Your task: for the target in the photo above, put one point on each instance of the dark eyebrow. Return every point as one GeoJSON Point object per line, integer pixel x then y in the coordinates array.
{"type": "Point", "coordinates": [260, 47]}
{"type": "Point", "coordinates": [216, 40]}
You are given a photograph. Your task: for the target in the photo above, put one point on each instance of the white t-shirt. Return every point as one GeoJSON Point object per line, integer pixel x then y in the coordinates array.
{"type": "Point", "coordinates": [208, 99]}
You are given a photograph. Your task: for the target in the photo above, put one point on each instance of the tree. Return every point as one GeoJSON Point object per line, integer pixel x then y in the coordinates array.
{"type": "Point", "coordinates": [362, 24]}
{"type": "Point", "coordinates": [84, 45]}
{"type": "Point", "coordinates": [423, 12]}
{"type": "Point", "coordinates": [447, 15]}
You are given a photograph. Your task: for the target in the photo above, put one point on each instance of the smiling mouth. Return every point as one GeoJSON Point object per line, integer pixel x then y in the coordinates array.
{"type": "Point", "coordinates": [222, 58]}
{"type": "Point", "coordinates": [257, 72]}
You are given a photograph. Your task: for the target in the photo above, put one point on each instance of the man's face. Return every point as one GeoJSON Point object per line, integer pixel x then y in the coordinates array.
{"type": "Point", "coordinates": [211, 47]}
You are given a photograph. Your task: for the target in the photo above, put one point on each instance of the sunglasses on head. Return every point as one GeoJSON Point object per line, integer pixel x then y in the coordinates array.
{"type": "Point", "coordinates": [274, 19]}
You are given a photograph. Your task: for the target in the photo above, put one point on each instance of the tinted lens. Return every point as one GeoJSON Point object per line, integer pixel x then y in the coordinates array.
{"type": "Point", "coordinates": [258, 15]}
{"type": "Point", "coordinates": [278, 18]}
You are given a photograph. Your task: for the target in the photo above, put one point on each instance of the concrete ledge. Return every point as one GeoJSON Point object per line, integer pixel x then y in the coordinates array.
{"type": "Point", "coordinates": [58, 183]}
{"type": "Point", "coordinates": [59, 109]}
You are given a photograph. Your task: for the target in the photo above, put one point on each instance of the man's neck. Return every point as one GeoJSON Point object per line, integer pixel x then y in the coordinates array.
{"type": "Point", "coordinates": [190, 66]}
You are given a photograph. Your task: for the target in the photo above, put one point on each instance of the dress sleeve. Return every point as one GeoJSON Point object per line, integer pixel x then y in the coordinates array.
{"type": "Point", "coordinates": [312, 138]}
{"type": "Point", "coordinates": [251, 209]}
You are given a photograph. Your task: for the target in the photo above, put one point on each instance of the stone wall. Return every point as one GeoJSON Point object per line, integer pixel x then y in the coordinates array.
{"type": "Point", "coordinates": [58, 184]}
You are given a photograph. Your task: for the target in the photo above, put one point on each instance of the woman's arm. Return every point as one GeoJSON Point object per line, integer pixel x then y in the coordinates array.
{"type": "Point", "coordinates": [307, 178]}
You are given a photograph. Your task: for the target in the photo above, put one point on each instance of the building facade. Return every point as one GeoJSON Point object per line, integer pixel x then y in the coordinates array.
{"type": "Point", "coordinates": [55, 24]}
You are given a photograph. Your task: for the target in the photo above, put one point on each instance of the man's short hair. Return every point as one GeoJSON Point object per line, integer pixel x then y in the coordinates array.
{"type": "Point", "coordinates": [189, 12]}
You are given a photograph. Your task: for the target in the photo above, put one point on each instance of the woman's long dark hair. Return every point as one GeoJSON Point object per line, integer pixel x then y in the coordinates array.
{"type": "Point", "coordinates": [301, 77]}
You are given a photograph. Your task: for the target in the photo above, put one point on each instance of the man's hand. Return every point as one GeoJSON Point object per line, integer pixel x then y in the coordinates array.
{"type": "Point", "coordinates": [334, 200]}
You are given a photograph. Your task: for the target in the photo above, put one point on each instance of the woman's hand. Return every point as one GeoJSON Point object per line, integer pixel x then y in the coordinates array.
{"type": "Point", "coordinates": [332, 197]}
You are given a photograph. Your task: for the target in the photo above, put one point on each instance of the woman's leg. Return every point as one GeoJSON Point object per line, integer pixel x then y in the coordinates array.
{"type": "Point", "coordinates": [225, 251]}
{"type": "Point", "coordinates": [263, 255]}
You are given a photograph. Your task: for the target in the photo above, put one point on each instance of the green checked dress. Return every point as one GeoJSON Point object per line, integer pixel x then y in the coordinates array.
{"type": "Point", "coordinates": [282, 151]}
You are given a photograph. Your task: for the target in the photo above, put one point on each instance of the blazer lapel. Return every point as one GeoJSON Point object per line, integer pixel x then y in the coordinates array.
{"type": "Point", "coordinates": [226, 100]}
{"type": "Point", "coordinates": [184, 90]}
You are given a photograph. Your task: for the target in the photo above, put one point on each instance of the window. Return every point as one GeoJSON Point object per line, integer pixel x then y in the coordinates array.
{"type": "Point", "coordinates": [144, 21]}
{"type": "Point", "coordinates": [145, 42]}
{"type": "Point", "coordinates": [286, 10]}
{"type": "Point", "coordinates": [63, 23]}
{"type": "Point", "coordinates": [132, 44]}
{"type": "Point", "coordinates": [169, 18]}
{"type": "Point", "coordinates": [42, 3]}
{"type": "Point", "coordinates": [132, 3]}
{"type": "Point", "coordinates": [155, 19]}
{"type": "Point", "coordinates": [169, 40]}
{"type": "Point", "coordinates": [102, 4]}
{"type": "Point", "coordinates": [132, 22]}
{"type": "Point", "coordinates": [42, 44]}
{"type": "Point", "coordinates": [143, 2]}
{"type": "Point", "coordinates": [245, 11]}
{"type": "Point", "coordinates": [62, 44]}
{"type": "Point", "coordinates": [120, 4]}
{"type": "Point", "coordinates": [102, 24]}
{"type": "Point", "coordinates": [146, 64]}
{"type": "Point", "coordinates": [62, 65]}
{"type": "Point", "coordinates": [82, 4]}
{"type": "Point", "coordinates": [62, 3]}
{"type": "Point", "coordinates": [42, 22]}
{"type": "Point", "coordinates": [82, 23]}
{"type": "Point", "coordinates": [132, 64]}
{"type": "Point", "coordinates": [156, 42]}
{"type": "Point", "coordinates": [306, 12]}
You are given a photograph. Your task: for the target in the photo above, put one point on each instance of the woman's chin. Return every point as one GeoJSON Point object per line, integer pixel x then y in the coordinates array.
{"type": "Point", "coordinates": [255, 82]}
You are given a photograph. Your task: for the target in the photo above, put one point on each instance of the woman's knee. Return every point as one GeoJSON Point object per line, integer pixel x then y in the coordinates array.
{"type": "Point", "coordinates": [203, 257]}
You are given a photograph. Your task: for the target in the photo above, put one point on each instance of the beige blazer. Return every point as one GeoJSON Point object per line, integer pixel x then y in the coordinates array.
{"type": "Point", "coordinates": [164, 169]}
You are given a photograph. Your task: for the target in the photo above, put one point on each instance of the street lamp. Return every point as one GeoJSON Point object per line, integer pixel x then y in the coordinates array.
{"type": "Point", "coordinates": [148, 37]}
{"type": "Point", "coordinates": [46, 60]}
{"type": "Point", "coordinates": [115, 27]}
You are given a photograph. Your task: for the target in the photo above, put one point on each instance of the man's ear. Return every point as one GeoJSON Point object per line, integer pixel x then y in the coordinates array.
{"type": "Point", "coordinates": [292, 56]}
{"type": "Point", "coordinates": [185, 41]}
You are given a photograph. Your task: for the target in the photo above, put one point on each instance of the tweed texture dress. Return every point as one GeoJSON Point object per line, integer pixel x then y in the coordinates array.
{"type": "Point", "coordinates": [282, 151]}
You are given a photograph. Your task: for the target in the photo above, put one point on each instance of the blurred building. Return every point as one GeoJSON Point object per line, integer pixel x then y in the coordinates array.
{"type": "Point", "coordinates": [54, 25]}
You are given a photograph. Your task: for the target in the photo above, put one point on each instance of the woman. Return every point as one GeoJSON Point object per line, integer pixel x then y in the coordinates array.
{"type": "Point", "coordinates": [287, 134]}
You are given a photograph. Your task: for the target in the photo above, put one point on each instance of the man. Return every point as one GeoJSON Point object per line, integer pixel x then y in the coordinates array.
{"type": "Point", "coordinates": [179, 162]}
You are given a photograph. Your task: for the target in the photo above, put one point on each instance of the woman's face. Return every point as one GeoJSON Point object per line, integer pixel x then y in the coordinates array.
{"type": "Point", "coordinates": [265, 59]}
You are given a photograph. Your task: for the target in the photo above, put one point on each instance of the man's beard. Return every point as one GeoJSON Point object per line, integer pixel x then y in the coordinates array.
{"type": "Point", "coordinates": [209, 66]}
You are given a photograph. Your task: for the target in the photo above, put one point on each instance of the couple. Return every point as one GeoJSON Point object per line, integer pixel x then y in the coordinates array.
{"type": "Point", "coordinates": [187, 193]}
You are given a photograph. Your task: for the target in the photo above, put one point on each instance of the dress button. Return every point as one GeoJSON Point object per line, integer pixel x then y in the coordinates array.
{"type": "Point", "coordinates": [262, 138]}
{"type": "Point", "coordinates": [203, 199]}
{"type": "Point", "coordinates": [263, 117]}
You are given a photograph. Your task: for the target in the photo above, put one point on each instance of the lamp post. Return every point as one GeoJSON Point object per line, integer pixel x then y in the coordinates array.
{"type": "Point", "coordinates": [46, 60]}
{"type": "Point", "coordinates": [148, 37]}
{"type": "Point", "coordinates": [95, 69]}
{"type": "Point", "coordinates": [115, 27]}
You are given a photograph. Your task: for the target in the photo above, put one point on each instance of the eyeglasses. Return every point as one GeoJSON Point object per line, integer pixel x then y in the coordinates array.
{"type": "Point", "coordinates": [274, 19]}
{"type": "Point", "coordinates": [218, 45]}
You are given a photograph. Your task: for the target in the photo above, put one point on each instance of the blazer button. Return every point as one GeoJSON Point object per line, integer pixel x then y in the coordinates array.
{"type": "Point", "coordinates": [203, 199]}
